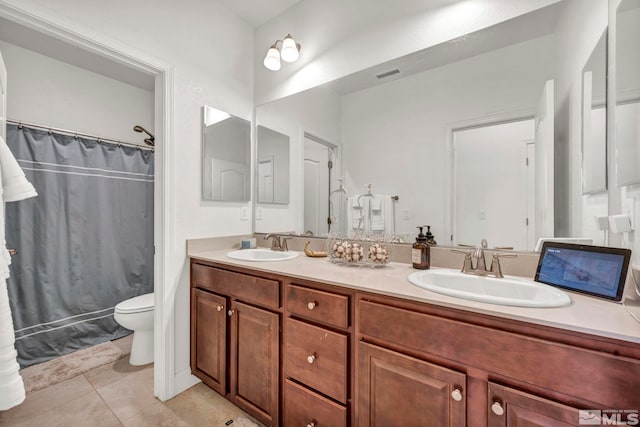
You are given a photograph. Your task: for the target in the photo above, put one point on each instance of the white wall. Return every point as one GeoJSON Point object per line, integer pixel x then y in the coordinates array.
{"type": "Point", "coordinates": [49, 92]}
{"type": "Point", "coordinates": [414, 116]}
{"type": "Point", "coordinates": [316, 111]}
{"type": "Point", "coordinates": [211, 51]}
{"type": "Point", "coordinates": [341, 37]}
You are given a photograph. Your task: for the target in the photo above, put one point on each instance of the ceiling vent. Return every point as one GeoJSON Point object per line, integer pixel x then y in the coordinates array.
{"type": "Point", "coordinates": [387, 73]}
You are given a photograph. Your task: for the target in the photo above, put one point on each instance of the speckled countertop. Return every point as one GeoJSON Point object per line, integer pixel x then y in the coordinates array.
{"type": "Point", "coordinates": [584, 314]}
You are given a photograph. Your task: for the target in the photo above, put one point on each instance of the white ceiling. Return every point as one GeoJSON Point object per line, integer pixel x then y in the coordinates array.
{"type": "Point", "coordinates": [257, 12]}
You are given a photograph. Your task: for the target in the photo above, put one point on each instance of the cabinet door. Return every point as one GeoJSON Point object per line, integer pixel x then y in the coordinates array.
{"type": "Point", "coordinates": [209, 338]}
{"type": "Point", "coordinates": [398, 390]}
{"type": "Point", "coordinates": [255, 361]}
{"type": "Point", "coordinates": [509, 407]}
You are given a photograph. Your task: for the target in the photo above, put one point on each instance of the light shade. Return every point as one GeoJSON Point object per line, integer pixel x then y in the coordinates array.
{"type": "Point", "coordinates": [290, 51]}
{"type": "Point", "coordinates": [272, 60]}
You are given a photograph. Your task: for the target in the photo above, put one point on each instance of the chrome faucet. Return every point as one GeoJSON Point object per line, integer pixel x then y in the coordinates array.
{"type": "Point", "coordinates": [278, 242]}
{"type": "Point", "coordinates": [480, 268]}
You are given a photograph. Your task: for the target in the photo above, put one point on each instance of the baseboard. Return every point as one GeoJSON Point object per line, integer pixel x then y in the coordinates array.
{"type": "Point", "coordinates": [182, 381]}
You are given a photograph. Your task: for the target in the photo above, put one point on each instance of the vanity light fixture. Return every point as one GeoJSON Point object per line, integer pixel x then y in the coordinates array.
{"type": "Point", "coordinates": [286, 49]}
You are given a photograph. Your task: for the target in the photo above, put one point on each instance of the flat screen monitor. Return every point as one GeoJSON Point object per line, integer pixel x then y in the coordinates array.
{"type": "Point", "coordinates": [594, 270]}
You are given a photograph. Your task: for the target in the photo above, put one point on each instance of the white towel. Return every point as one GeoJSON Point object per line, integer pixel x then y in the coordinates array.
{"type": "Point", "coordinates": [376, 203]}
{"type": "Point", "coordinates": [382, 218]}
{"type": "Point", "coordinates": [14, 184]}
{"type": "Point", "coordinates": [13, 187]}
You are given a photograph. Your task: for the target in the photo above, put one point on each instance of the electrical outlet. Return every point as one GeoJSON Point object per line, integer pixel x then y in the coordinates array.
{"type": "Point", "coordinates": [259, 213]}
{"type": "Point", "coordinates": [244, 213]}
{"type": "Point", "coordinates": [405, 214]}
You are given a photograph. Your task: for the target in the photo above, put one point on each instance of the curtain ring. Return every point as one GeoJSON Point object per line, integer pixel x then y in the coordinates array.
{"type": "Point", "coordinates": [75, 136]}
{"type": "Point", "coordinates": [20, 125]}
{"type": "Point", "coordinates": [50, 132]}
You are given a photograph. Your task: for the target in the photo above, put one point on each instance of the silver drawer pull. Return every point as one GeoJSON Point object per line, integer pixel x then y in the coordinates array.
{"type": "Point", "coordinates": [312, 423]}
{"type": "Point", "coordinates": [220, 307]}
{"type": "Point", "coordinates": [312, 305]}
{"type": "Point", "coordinates": [311, 358]}
{"type": "Point", "coordinates": [230, 312]}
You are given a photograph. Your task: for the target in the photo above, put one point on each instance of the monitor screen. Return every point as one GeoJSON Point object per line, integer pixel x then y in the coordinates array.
{"type": "Point", "coordinates": [593, 270]}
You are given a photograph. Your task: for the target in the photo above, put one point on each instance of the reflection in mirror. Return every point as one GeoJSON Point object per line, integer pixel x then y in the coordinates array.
{"type": "Point", "coordinates": [323, 206]}
{"type": "Point", "coordinates": [594, 120]}
{"type": "Point", "coordinates": [273, 166]}
{"type": "Point", "coordinates": [628, 92]}
{"type": "Point", "coordinates": [226, 156]}
{"type": "Point", "coordinates": [397, 132]}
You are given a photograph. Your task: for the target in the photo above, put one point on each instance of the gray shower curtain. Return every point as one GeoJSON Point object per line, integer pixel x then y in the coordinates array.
{"type": "Point", "coordinates": [84, 244]}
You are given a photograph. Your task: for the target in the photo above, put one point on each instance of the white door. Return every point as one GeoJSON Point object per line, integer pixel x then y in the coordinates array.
{"type": "Point", "coordinates": [488, 205]}
{"type": "Point", "coordinates": [3, 99]}
{"type": "Point", "coordinates": [265, 180]}
{"type": "Point", "coordinates": [311, 195]}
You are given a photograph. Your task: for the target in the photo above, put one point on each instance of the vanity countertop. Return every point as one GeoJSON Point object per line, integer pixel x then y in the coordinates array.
{"type": "Point", "coordinates": [584, 314]}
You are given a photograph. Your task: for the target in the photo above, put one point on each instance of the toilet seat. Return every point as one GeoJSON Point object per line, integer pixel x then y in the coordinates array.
{"type": "Point", "coordinates": [137, 304]}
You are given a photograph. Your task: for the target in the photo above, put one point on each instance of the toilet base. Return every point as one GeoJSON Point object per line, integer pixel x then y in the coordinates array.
{"type": "Point", "coordinates": [141, 348]}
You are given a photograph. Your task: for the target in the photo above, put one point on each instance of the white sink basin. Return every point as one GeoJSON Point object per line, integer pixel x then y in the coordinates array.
{"type": "Point", "coordinates": [262, 255]}
{"type": "Point", "coordinates": [511, 290]}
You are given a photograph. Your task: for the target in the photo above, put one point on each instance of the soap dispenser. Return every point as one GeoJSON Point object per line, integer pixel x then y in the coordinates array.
{"type": "Point", "coordinates": [420, 252]}
{"type": "Point", "coordinates": [431, 241]}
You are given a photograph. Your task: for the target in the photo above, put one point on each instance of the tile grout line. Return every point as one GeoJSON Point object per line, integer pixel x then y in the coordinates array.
{"type": "Point", "coordinates": [95, 389]}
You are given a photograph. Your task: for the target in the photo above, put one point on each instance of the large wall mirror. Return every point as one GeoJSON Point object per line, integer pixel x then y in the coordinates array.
{"type": "Point", "coordinates": [460, 136]}
{"type": "Point", "coordinates": [594, 120]}
{"type": "Point", "coordinates": [628, 92]}
{"type": "Point", "coordinates": [226, 156]}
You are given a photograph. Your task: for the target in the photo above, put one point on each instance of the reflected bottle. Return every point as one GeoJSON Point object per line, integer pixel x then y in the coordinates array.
{"type": "Point", "coordinates": [420, 252]}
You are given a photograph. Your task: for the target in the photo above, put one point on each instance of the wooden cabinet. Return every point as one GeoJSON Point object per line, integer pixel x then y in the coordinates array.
{"type": "Point", "coordinates": [255, 361]}
{"type": "Point", "coordinates": [399, 390]}
{"type": "Point", "coordinates": [517, 374]}
{"type": "Point", "coordinates": [294, 352]}
{"type": "Point", "coordinates": [316, 357]}
{"type": "Point", "coordinates": [209, 338]}
{"type": "Point", "coordinates": [235, 343]}
{"type": "Point", "coordinates": [512, 408]}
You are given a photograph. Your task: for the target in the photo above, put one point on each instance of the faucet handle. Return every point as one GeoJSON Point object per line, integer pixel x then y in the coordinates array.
{"type": "Point", "coordinates": [467, 265]}
{"type": "Point", "coordinates": [283, 242]}
{"type": "Point", "coordinates": [495, 263]}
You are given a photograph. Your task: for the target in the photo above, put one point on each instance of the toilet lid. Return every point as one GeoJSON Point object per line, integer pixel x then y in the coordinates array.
{"type": "Point", "coordinates": [136, 304]}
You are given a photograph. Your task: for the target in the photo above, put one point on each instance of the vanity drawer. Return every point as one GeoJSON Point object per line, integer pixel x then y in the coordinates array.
{"type": "Point", "coordinates": [325, 307]}
{"type": "Point", "coordinates": [316, 357]}
{"type": "Point", "coordinates": [303, 407]}
{"type": "Point", "coordinates": [242, 286]}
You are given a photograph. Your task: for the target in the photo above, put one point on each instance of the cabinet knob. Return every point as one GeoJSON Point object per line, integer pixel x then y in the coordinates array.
{"type": "Point", "coordinates": [220, 307]}
{"type": "Point", "coordinates": [311, 358]}
{"type": "Point", "coordinates": [456, 395]}
{"type": "Point", "coordinates": [497, 408]}
{"type": "Point", "coordinates": [230, 312]}
{"type": "Point", "coordinates": [312, 423]}
{"type": "Point", "coordinates": [312, 304]}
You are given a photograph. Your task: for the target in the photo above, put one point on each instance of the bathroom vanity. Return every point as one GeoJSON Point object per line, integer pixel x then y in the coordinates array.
{"type": "Point", "coordinates": [305, 342]}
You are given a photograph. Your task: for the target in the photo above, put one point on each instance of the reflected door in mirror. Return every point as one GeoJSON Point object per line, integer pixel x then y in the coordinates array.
{"type": "Point", "coordinates": [226, 156]}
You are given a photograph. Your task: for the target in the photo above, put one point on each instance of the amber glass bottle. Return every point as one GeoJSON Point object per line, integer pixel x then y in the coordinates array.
{"type": "Point", "coordinates": [420, 252]}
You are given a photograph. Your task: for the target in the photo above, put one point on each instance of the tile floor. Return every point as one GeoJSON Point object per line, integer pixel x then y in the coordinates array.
{"type": "Point", "coordinates": [119, 394]}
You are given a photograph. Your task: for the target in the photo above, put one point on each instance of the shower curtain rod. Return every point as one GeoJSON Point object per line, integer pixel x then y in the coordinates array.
{"type": "Point", "coordinates": [20, 123]}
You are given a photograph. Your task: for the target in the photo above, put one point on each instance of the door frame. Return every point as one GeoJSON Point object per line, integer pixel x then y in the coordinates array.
{"type": "Point", "coordinates": [449, 205]}
{"type": "Point", "coordinates": [163, 73]}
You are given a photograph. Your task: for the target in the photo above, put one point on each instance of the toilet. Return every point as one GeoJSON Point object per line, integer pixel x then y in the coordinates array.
{"type": "Point", "coordinates": [136, 314]}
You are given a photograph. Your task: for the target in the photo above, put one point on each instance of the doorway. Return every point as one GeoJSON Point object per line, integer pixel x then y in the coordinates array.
{"type": "Point", "coordinates": [162, 76]}
{"type": "Point", "coordinates": [493, 184]}
{"type": "Point", "coordinates": [319, 161]}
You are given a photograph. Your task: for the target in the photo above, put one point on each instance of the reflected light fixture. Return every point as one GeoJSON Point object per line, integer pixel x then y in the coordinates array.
{"type": "Point", "coordinates": [286, 49]}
